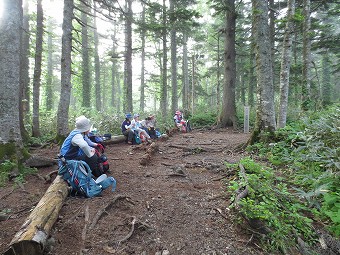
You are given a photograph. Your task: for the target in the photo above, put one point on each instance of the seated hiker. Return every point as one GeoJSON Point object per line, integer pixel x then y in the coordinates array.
{"type": "Point", "coordinates": [150, 126]}
{"type": "Point", "coordinates": [180, 122]}
{"type": "Point", "coordinates": [78, 146]}
{"type": "Point", "coordinates": [126, 130]}
{"type": "Point", "coordinates": [136, 126]}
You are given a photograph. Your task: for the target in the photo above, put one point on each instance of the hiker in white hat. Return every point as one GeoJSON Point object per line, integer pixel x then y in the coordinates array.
{"type": "Point", "coordinates": [79, 147]}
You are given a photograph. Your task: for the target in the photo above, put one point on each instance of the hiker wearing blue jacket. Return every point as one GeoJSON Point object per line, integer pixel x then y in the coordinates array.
{"type": "Point", "coordinates": [78, 146]}
{"type": "Point", "coordinates": [126, 131]}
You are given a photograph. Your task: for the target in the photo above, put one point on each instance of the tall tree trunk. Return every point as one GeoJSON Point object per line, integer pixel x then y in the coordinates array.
{"type": "Point", "coordinates": [272, 34]}
{"type": "Point", "coordinates": [252, 76]}
{"type": "Point", "coordinates": [85, 63]}
{"type": "Point", "coordinates": [305, 92]}
{"type": "Point", "coordinates": [97, 65]}
{"type": "Point", "coordinates": [285, 65]}
{"type": "Point", "coordinates": [228, 111]}
{"type": "Point", "coordinates": [265, 119]}
{"type": "Point", "coordinates": [114, 69]}
{"type": "Point", "coordinates": [142, 77]}
{"type": "Point", "coordinates": [119, 91]}
{"type": "Point", "coordinates": [296, 90]}
{"type": "Point", "coordinates": [128, 58]}
{"type": "Point", "coordinates": [193, 67]}
{"type": "Point", "coordinates": [242, 79]}
{"type": "Point", "coordinates": [173, 43]}
{"type": "Point", "coordinates": [218, 87]}
{"type": "Point", "coordinates": [24, 73]}
{"type": "Point", "coordinates": [49, 77]}
{"type": "Point", "coordinates": [326, 80]}
{"type": "Point", "coordinates": [185, 93]}
{"type": "Point", "coordinates": [11, 141]}
{"type": "Point", "coordinates": [164, 88]}
{"type": "Point", "coordinates": [65, 90]}
{"type": "Point", "coordinates": [37, 70]}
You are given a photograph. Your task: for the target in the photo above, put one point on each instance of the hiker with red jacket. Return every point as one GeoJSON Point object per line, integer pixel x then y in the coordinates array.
{"type": "Point", "coordinates": [78, 146]}
{"type": "Point", "coordinates": [182, 124]}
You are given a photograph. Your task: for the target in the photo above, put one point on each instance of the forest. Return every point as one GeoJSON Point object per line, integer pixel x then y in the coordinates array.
{"type": "Point", "coordinates": [267, 67]}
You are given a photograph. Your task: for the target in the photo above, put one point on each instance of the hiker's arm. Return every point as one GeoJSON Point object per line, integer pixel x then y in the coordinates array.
{"type": "Point", "coordinates": [79, 141]}
{"type": "Point", "coordinates": [89, 142]}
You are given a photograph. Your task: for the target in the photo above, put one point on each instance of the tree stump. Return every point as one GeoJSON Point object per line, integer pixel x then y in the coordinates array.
{"type": "Point", "coordinates": [33, 234]}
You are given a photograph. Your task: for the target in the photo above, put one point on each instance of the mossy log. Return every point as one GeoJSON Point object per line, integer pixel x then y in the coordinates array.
{"type": "Point", "coordinates": [33, 234]}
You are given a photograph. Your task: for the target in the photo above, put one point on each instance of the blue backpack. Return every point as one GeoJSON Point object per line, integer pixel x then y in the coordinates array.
{"type": "Point", "coordinates": [78, 175]}
{"type": "Point", "coordinates": [137, 138]}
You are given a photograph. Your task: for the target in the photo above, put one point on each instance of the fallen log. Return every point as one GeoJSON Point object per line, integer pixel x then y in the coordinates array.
{"type": "Point", "coordinates": [115, 139]}
{"type": "Point", "coordinates": [39, 161]}
{"type": "Point", "coordinates": [33, 234]}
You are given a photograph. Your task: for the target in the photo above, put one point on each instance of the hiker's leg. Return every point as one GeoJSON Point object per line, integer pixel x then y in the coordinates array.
{"type": "Point", "coordinates": [145, 134]}
{"type": "Point", "coordinates": [130, 136]}
{"type": "Point", "coordinates": [126, 134]}
{"type": "Point", "coordinates": [93, 164]}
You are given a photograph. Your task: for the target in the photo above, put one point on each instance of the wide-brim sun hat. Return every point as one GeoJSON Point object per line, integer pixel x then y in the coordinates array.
{"type": "Point", "coordinates": [83, 124]}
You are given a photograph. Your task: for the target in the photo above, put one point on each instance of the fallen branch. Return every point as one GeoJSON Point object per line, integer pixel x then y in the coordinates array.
{"type": "Point", "coordinates": [7, 194]}
{"type": "Point", "coordinates": [176, 174]}
{"type": "Point", "coordinates": [165, 164]}
{"type": "Point", "coordinates": [220, 212]}
{"type": "Point", "coordinates": [133, 222]}
{"type": "Point", "coordinates": [39, 161]}
{"type": "Point", "coordinates": [48, 177]}
{"type": "Point", "coordinates": [226, 175]}
{"type": "Point", "coordinates": [257, 225]}
{"type": "Point", "coordinates": [83, 234]}
{"type": "Point", "coordinates": [242, 192]}
{"type": "Point", "coordinates": [115, 140]}
{"type": "Point", "coordinates": [104, 209]}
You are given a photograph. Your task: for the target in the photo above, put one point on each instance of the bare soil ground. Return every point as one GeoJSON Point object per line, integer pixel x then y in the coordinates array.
{"type": "Point", "coordinates": [172, 203]}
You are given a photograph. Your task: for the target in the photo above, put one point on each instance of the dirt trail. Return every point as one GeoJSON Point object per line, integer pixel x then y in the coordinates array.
{"type": "Point", "coordinates": [174, 204]}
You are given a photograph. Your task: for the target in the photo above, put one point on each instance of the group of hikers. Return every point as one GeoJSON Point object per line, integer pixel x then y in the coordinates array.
{"type": "Point", "coordinates": [137, 131]}
{"type": "Point", "coordinates": [78, 146]}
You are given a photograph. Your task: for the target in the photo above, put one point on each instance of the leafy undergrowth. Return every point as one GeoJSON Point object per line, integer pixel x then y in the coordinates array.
{"type": "Point", "coordinates": [296, 185]}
